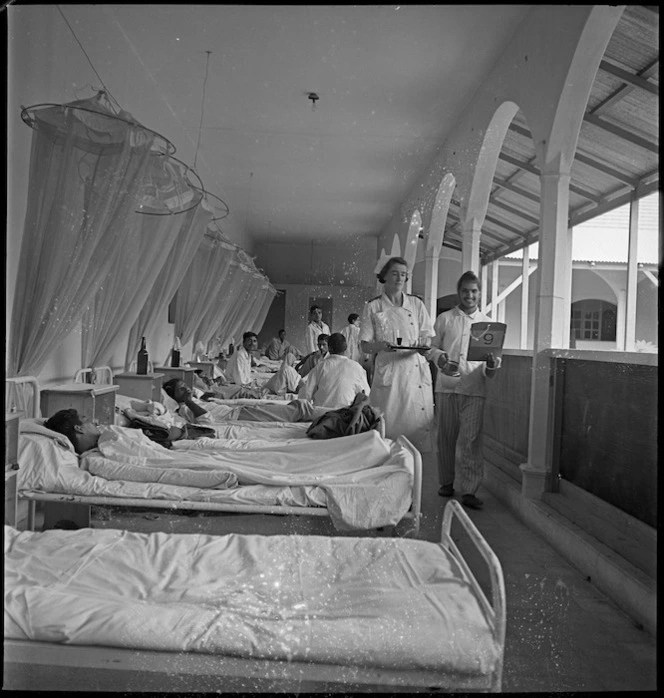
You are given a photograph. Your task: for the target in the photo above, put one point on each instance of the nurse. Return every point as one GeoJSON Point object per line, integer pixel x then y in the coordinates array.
{"type": "Point", "coordinates": [401, 385]}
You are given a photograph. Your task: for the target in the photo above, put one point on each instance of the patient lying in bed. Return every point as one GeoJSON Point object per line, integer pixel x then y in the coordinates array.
{"type": "Point", "coordinates": [123, 443]}
{"type": "Point", "coordinates": [179, 400]}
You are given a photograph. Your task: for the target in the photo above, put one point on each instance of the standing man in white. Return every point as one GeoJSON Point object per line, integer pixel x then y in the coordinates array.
{"type": "Point", "coordinates": [461, 391]}
{"type": "Point", "coordinates": [401, 385]}
{"type": "Point", "coordinates": [352, 334]}
{"type": "Point", "coordinates": [315, 327]}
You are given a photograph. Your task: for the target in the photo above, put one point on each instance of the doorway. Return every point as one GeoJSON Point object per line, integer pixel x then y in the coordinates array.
{"type": "Point", "coordinates": [326, 306]}
{"type": "Point", "coordinates": [275, 319]}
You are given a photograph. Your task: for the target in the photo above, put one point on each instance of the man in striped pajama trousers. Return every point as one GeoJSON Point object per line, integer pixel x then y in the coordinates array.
{"type": "Point", "coordinates": [460, 395]}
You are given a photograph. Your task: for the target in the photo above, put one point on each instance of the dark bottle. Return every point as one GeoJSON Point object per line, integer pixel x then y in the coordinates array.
{"type": "Point", "coordinates": [231, 349]}
{"type": "Point", "coordinates": [142, 359]}
{"type": "Point", "coordinates": [175, 355]}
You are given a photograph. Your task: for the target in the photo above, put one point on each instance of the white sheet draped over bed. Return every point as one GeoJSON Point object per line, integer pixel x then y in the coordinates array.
{"type": "Point", "coordinates": [364, 480]}
{"type": "Point", "coordinates": [368, 602]}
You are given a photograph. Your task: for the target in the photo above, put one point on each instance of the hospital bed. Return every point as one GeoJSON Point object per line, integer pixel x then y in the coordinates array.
{"type": "Point", "coordinates": [50, 474]}
{"type": "Point", "coordinates": [98, 375]}
{"type": "Point", "coordinates": [114, 610]}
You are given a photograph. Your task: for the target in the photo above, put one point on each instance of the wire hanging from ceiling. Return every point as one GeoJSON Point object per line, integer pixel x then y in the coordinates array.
{"type": "Point", "coordinates": [200, 125]}
{"type": "Point", "coordinates": [108, 92]}
{"type": "Point", "coordinates": [246, 213]}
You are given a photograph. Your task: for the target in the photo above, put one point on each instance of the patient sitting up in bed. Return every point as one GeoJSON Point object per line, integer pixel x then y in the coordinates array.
{"type": "Point", "coordinates": [335, 382]}
{"type": "Point", "coordinates": [286, 379]}
{"type": "Point", "coordinates": [308, 362]}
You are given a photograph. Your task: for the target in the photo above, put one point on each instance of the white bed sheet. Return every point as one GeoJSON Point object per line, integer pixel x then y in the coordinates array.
{"type": "Point", "coordinates": [367, 602]}
{"type": "Point", "coordinates": [364, 481]}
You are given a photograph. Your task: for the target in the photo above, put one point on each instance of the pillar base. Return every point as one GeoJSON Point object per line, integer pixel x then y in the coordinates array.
{"type": "Point", "coordinates": [534, 482]}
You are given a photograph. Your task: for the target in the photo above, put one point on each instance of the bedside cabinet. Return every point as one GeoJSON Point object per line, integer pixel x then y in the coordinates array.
{"type": "Point", "coordinates": [11, 469]}
{"type": "Point", "coordinates": [96, 402]}
{"type": "Point", "coordinates": [140, 386]}
{"type": "Point", "coordinates": [183, 373]}
{"type": "Point", "coordinates": [206, 366]}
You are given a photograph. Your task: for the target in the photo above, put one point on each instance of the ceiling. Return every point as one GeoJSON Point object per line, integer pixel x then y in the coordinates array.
{"type": "Point", "coordinates": [228, 85]}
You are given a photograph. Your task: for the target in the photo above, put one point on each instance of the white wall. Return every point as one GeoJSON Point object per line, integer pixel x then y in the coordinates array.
{"type": "Point", "coordinates": [345, 300]}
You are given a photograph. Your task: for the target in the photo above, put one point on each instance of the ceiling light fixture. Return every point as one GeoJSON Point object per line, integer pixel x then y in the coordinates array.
{"type": "Point", "coordinates": [314, 98]}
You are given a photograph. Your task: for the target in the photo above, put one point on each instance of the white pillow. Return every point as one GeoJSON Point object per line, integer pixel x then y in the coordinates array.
{"type": "Point", "coordinates": [42, 459]}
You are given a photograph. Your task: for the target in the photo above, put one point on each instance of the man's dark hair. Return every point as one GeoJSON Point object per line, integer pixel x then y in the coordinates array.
{"type": "Point", "coordinates": [64, 422]}
{"type": "Point", "coordinates": [337, 343]}
{"type": "Point", "coordinates": [392, 261]}
{"type": "Point", "coordinates": [352, 317]}
{"type": "Point", "coordinates": [169, 386]}
{"type": "Point", "coordinates": [322, 338]}
{"type": "Point", "coordinates": [314, 307]}
{"type": "Point", "coordinates": [468, 276]}
{"type": "Point", "coordinates": [281, 330]}
{"type": "Point", "coordinates": [246, 335]}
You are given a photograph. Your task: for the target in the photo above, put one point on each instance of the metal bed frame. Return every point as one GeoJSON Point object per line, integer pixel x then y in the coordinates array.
{"type": "Point", "coordinates": [44, 665]}
{"type": "Point", "coordinates": [77, 507]}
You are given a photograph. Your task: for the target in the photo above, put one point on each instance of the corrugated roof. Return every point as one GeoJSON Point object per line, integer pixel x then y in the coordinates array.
{"type": "Point", "coordinates": [617, 152]}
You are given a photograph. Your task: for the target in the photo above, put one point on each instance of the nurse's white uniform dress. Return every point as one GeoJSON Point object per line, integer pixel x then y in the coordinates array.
{"type": "Point", "coordinates": [401, 385]}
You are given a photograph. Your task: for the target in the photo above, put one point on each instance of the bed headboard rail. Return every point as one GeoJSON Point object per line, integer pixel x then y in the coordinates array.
{"type": "Point", "coordinates": [22, 396]}
{"type": "Point", "coordinates": [97, 375]}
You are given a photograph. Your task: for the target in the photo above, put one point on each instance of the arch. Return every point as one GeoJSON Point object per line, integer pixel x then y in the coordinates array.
{"type": "Point", "coordinates": [476, 203]}
{"type": "Point", "coordinates": [555, 131]}
{"type": "Point", "coordinates": [439, 212]}
{"type": "Point", "coordinates": [396, 246]}
{"type": "Point", "coordinates": [410, 248]}
{"type": "Point", "coordinates": [434, 240]}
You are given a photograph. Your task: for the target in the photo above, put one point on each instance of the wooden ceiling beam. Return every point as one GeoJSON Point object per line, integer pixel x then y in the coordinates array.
{"type": "Point", "coordinates": [630, 78]}
{"type": "Point", "coordinates": [606, 169]}
{"type": "Point", "coordinates": [622, 92]}
{"type": "Point", "coordinates": [587, 160]}
{"type": "Point", "coordinates": [506, 226]}
{"type": "Point", "coordinates": [514, 211]}
{"type": "Point", "coordinates": [622, 133]}
{"type": "Point", "coordinates": [504, 184]}
{"type": "Point", "coordinates": [534, 170]}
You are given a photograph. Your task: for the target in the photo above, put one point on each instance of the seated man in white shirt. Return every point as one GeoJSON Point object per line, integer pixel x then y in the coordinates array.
{"type": "Point", "coordinates": [308, 362]}
{"type": "Point", "coordinates": [335, 382]}
{"type": "Point", "coordinates": [238, 370]}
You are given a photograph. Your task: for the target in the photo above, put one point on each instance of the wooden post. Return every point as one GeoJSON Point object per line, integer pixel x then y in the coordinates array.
{"type": "Point", "coordinates": [632, 273]}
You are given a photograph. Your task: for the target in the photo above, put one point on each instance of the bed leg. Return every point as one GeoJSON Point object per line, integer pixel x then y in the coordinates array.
{"type": "Point", "coordinates": [77, 513]}
{"type": "Point", "coordinates": [32, 505]}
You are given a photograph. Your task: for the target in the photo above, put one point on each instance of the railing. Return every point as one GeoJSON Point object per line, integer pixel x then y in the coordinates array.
{"type": "Point", "coordinates": [507, 412]}
{"type": "Point", "coordinates": [605, 426]}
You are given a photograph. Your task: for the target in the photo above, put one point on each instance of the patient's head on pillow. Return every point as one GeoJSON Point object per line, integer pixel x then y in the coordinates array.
{"type": "Point", "coordinates": [177, 389]}
{"type": "Point", "coordinates": [83, 434]}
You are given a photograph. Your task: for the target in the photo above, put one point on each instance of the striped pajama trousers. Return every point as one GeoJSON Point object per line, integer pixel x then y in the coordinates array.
{"type": "Point", "coordinates": [460, 421]}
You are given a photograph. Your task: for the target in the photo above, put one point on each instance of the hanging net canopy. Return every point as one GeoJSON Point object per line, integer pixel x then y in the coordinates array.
{"type": "Point", "coordinates": [216, 205]}
{"type": "Point", "coordinates": [167, 187]}
{"type": "Point", "coordinates": [92, 125]}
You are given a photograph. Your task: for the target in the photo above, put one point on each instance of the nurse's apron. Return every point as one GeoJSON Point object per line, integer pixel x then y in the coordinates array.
{"type": "Point", "coordinates": [401, 385]}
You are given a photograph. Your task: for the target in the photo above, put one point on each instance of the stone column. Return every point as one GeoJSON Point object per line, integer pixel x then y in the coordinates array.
{"type": "Point", "coordinates": [552, 311]}
{"type": "Point", "coordinates": [628, 332]}
{"type": "Point", "coordinates": [470, 247]}
{"type": "Point", "coordinates": [431, 282]}
{"type": "Point", "coordinates": [523, 335]}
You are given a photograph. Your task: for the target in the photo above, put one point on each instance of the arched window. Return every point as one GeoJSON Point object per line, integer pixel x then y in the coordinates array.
{"type": "Point", "coordinates": [593, 319]}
